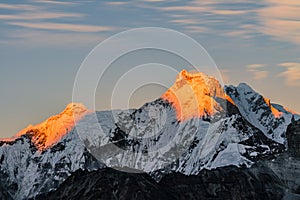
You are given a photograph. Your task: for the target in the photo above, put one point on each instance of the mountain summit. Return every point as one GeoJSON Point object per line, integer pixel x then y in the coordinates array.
{"type": "Point", "coordinates": [196, 128]}
{"type": "Point", "coordinates": [194, 95]}
{"type": "Point", "coordinates": [51, 131]}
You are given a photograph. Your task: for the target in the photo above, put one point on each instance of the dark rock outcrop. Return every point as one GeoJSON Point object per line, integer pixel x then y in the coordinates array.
{"type": "Point", "coordinates": [293, 138]}
{"type": "Point", "coordinates": [257, 182]}
{"type": "Point", "coordinates": [287, 165]}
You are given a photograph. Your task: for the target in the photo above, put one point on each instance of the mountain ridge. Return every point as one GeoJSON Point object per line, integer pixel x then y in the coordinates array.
{"type": "Point", "coordinates": [241, 132]}
{"type": "Point", "coordinates": [50, 131]}
{"type": "Point", "coordinates": [209, 87]}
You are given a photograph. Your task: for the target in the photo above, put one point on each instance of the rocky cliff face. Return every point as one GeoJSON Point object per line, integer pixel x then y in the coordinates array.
{"type": "Point", "coordinates": [256, 183]}
{"type": "Point", "coordinates": [293, 137]}
{"type": "Point", "coordinates": [287, 165]}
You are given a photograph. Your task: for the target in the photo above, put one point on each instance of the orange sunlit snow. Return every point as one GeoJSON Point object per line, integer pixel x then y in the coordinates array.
{"type": "Point", "coordinates": [275, 112]}
{"type": "Point", "coordinates": [193, 95]}
{"type": "Point", "coordinates": [53, 129]}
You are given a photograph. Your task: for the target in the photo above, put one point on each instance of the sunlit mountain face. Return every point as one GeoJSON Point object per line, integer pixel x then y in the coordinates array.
{"type": "Point", "coordinates": [194, 95]}
{"type": "Point", "coordinates": [51, 131]}
{"type": "Point", "coordinates": [241, 146]}
{"type": "Point", "coordinates": [197, 95]}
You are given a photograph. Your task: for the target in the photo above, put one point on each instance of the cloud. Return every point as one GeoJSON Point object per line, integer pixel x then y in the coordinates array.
{"type": "Point", "coordinates": [39, 15]}
{"type": "Point", "coordinates": [257, 70]}
{"type": "Point", "coordinates": [17, 6]}
{"type": "Point", "coordinates": [205, 8]}
{"type": "Point", "coordinates": [62, 26]}
{"type": "Point", "coordinates": [116, 3]}
{"type": "Point", "coordinates": [185, 8]}
{"type": "Point", "coordinates": [185, 21]}
{"type": "Point", "coordinates": [154, 0]}
{"type": "Point", "coordinates": [238, 33]}
{"type": "Point", "coordinates": [278, 19]}
{"type": "Point", "coordinates": [281, 20]}
{"type": "Point", "coordinates": [245, 31]}
{"type": "Point", "coordinates": [37, 38]}
{"type": "Point", "coordinates": [32, 24]}
{"type": "Point", "coordinates": [34, 12]}
{"type": "Point", "coordinates": [229, 12]}
{"type": "Point", "coordinates": [291, 73]}
{"type": "Point", "coordinates": [211, 15]}
{"type": "Point", "coordinates": [196, 29]}
{"type": "Point", "coordinates": [55, 2]}
{"type": "Point", "coordinates": [256, 66]}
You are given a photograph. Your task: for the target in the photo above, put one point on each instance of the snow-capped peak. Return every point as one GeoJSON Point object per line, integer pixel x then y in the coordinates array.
{"type": "Point", "coordinates": [260, 112]}
{"type": "Point", "coordinates": [194, 95]}
{"type": "Point", "coordinates": [51, 131]}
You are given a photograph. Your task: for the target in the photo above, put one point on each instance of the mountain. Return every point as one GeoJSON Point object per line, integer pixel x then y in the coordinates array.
{"type": "Point", "coordinates": [52, 130]}
{"type": "Point", "coordinates": [228, 141]}
{"type": "Point", "coordinates": [222, 183]}
{"type": "Point", "coordinates": [195, 95]}
{"type": "Point", "coordinates": [40, 157]}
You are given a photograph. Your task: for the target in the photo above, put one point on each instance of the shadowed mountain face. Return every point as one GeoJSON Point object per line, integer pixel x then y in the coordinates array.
{"type": "Point", "coordinates": [257, 182]}
{"type": "Point", "coordinates": [287, 165]}
{"type": "Point", "coordinates": [293, 138]}
{"type": "Point", "coordinates": [198, 141]}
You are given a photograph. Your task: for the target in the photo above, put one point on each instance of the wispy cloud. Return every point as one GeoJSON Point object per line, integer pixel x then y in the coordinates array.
{"type": "Point", "coordinates": [196, 29]}
{"type": "Point", "coordinates": [229, 12]}
{"type": "Point", "coordinates": [39, 15]}
{"type": "Point", "coordinates": [36, 20]}
{"type": "Point", "coordinates": [238, 33]}
{"type": "Point", "coordinates": [209, 15]}
{"type": "Point", "coordinates": [45, 38]}
{"type": "Point", "coordinates": [245, 31]}
{"type": "Point", "coordinates": [55, 2]}
{"type": "Point", "coordinates": [185, 21]}
{"type": "Point", "coordinates": [116, 3]}
{"type": "Point", "coordinates": [291, 73]}
{"type": "Point", "coordinates": [256, 66]}
{"type": "Point", "coordinates": [206, 8]}
{"type": "Point", "coordinates": [186, 8]}
{"type": "Point", "coordinates": [63, 26]}
{"type": "Point", "coordinates": [154, 0]}
{"type": "Point", "coordinates": [281, 20]}
{"type": "Point", "coordinates": [258, 71]}
{"type": "Point", "coordinates": [17, 6]}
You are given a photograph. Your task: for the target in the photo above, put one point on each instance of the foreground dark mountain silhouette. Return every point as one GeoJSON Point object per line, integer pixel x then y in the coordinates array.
{"type": "Point", "coordinates": [242, 147]}
{"type": "Point", "coordinates": [225, 183]}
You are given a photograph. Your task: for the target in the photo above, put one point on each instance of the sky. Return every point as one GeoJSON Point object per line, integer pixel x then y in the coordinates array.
{"type": "Point", "coordinates": [44, 42]}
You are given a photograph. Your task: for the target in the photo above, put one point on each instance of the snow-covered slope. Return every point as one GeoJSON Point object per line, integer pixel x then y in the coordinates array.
{"type": "Point", "coordinates": [50, 131]}
{"type": "Point", "coordinates": [259, 112]}
{"type": "Point", "coordinates": [167, 134]}
{"type": "Point", "coordinates": [195, 125]}
{"type": "Point", "coordinates": [26, 171]}
{"type": "Point", "coordinates": [42, 156]}
{"type": "Point", "coordinates": [186, 147]}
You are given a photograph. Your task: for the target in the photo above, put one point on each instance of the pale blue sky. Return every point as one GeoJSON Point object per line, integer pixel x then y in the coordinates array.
{"type": "Point", "coordinates": [43, 42]}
